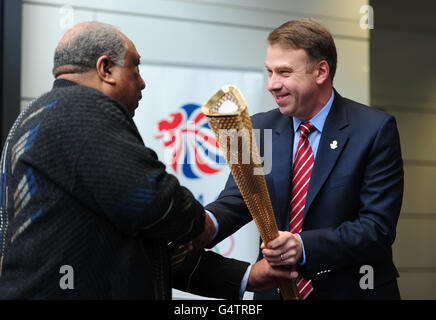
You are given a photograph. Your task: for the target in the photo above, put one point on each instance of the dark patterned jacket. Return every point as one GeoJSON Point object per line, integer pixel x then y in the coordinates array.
{"type": "Point", "coordinates": [86, 209]}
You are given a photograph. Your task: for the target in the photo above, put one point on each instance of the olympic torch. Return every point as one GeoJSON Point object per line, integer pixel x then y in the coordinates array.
{"type": "Point", "coordinates": [227, 114]}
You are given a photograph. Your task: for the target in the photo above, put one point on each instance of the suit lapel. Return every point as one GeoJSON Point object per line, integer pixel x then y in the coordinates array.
{"type": "Point", "coordinates": [283, 137]}
{"type": "Point", "coordinates": [328, 150]}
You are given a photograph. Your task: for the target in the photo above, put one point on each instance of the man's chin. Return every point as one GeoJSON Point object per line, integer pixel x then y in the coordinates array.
{"type": "Point", "coordinates": [286, 110]}
{"type": "Point", "coordinates": [132, 110]}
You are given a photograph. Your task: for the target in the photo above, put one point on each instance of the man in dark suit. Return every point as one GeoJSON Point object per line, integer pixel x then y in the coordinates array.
{"type": "Point", "coordinates": [336, 183]}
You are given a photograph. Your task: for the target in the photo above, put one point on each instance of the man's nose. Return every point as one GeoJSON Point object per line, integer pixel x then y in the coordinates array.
{"type": "Point", "coordinates": [143, 85]}
{"type": "Point", "coordinates": [273, 83]}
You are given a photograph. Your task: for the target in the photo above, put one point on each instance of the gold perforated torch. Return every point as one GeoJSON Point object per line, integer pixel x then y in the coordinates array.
{"type": "Point", "coordinates": [226, 112]}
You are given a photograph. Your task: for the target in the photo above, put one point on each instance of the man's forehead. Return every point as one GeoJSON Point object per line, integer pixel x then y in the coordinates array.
{"type": "Point", "coordinates": [130, 44]}
{"type": "Point", "coordinates": [136, 57]}
{"type": "Point", "coordinates": [132, 52]}
{"type": "Point", "coordinates": [135, 52]}
{"type": "Point", "coordinates": [280, 56]}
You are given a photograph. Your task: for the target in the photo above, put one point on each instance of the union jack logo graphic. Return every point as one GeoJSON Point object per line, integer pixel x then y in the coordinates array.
{"type": "Point", "coordinates": [190, 145]}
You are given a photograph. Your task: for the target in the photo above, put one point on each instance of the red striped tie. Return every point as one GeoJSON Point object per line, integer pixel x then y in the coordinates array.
{"type": "Point", "coordinates": [303, 165]}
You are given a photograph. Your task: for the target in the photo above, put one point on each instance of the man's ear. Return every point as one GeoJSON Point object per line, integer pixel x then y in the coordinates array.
{"type": "Point", "coordinates": [322, 72]}
{"type": "Point", "coordinates": [104, 68]}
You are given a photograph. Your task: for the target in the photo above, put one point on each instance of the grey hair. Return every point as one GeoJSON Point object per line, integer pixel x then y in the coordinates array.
{"type": "Point", "coordinates": [81, 50]}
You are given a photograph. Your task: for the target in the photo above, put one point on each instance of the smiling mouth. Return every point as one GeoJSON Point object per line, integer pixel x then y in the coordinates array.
{"type": "Point", "coordinates": [281, 97]}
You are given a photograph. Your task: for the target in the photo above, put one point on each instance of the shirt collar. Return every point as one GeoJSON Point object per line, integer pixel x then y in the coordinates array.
{"type": "Point", "coordinates": [318, 120]}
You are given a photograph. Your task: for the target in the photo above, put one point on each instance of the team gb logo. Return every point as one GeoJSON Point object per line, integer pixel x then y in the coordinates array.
{"type": "Point", "coordinates": [190, 145]}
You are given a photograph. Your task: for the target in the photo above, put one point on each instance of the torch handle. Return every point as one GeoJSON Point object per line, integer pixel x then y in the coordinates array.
{"type": "Point", "coordinates": [289, 290]}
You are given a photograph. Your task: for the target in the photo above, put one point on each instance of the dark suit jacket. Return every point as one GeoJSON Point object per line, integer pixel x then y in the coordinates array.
{"type": "Point", "coordinates": [353, 202]}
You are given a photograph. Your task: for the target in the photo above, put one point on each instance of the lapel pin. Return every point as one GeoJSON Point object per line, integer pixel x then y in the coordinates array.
{"type": "Point", "coordinates": [334, 145]}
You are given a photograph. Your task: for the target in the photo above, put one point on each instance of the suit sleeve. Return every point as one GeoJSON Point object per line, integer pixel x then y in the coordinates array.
{"type": "Point", "coordinates": [370, 236]}
{"type": "Point", "coordinates": [209, 274]}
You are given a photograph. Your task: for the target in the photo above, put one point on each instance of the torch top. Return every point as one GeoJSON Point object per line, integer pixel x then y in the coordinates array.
{"type": "Point", "coordinates": [227, 101]}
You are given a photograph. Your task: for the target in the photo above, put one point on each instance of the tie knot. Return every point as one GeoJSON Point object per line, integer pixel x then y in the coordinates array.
{"type": "Point", "coordinates": [306, 128]}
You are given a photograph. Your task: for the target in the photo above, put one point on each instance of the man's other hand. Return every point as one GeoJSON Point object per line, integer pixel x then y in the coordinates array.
{"type": "Point", "coordinates": [264, 277]}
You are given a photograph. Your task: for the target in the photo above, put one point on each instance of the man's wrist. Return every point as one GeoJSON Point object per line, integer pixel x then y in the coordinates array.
{"type": "Point", "coordinates": [302, 261]}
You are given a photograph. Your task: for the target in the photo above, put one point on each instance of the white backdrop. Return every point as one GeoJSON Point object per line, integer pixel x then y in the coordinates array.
{"type": "Point", "coordinates": [172, 99]}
